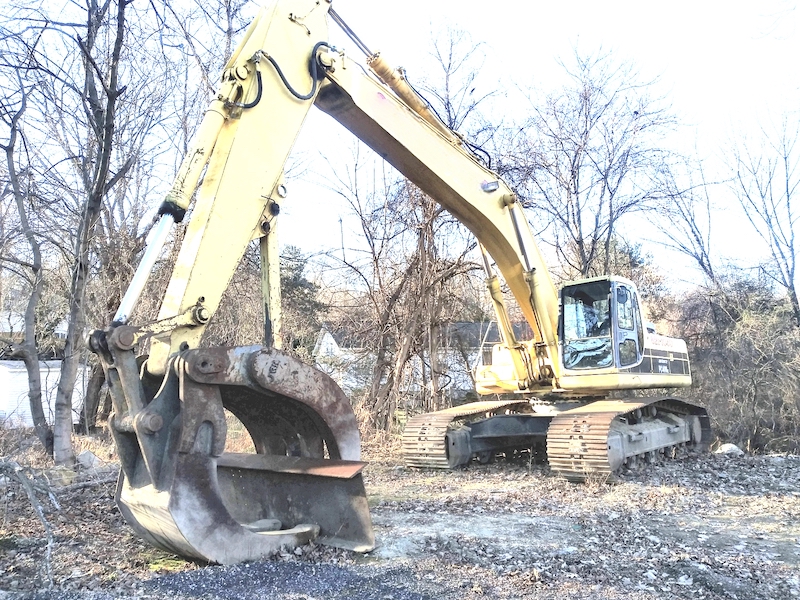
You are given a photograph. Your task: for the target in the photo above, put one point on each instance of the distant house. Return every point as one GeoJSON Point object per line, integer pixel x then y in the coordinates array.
{"type": "Point", "coordinates": [12, 325]}
{"type": "Point", "coordinates": [463, 347]}
{"type": "Point", "coordinates": [344, 358]}
{"type": "Point", "coordinates": [15, 409]}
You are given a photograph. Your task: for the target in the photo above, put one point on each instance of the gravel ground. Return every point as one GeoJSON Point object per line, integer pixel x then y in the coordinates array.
{"type": "Point", "coordinates": [703, 527]}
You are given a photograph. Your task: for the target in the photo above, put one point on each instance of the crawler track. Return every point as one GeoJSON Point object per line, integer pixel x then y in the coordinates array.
{"type": "Point", "coordinates": [580, 441]}
{"type": "Point", "coordinates": [425, 436]}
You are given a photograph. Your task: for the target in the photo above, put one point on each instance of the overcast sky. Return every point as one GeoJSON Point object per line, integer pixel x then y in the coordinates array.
{"type": "Point", "coordinates": [722, 63]}
{"type": "Point", "coordinates": [725, 67]}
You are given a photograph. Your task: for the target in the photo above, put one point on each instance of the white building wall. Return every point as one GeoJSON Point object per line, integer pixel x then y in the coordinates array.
{"type": "Point", "coordinates": [15, 410]}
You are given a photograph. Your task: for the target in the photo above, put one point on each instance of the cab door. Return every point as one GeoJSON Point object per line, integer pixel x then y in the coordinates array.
{"type": "Point", "coordinates": [628, 330]}
{"type": "Point", "coordinates": [585, 325]}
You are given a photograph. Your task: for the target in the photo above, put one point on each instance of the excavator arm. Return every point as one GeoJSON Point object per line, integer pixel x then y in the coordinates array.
{"type": "Point", "coordinates": [179, 488]}
{"type": "Point", "coordinates": [402, 130]}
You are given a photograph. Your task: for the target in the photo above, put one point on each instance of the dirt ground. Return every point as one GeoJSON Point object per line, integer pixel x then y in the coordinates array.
{"type": "Point", "coordinates": [702, 527]}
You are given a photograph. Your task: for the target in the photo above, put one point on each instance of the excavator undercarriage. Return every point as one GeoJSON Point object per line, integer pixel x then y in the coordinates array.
{"type": "Point", "coordinates": [597, 440]}
{"type": "Point", "coordinates": [594, 440]}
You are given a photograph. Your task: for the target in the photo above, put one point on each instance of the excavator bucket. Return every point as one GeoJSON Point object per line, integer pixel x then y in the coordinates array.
{"type": "Point", "coordinates": [183, 493]}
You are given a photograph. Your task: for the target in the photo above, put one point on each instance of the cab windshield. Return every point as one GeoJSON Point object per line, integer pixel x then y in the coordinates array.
{"type": "Point", "coordinates": [586, 333]}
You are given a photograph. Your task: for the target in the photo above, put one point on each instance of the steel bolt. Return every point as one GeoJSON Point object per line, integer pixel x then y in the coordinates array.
{"type": "Point", "coordinates": [201, 314]}
{"type": "Point", "coordinates": [150, 422]}
{"type": "Point", "coordinates": [123, 337]}
{"type": "Point", "coordinates": [126, 338]}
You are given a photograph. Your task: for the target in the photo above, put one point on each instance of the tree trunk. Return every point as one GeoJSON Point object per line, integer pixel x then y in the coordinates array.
{"type": "Point", "coordinates": [104, 121]}
{"type": "Point", "coordinates": [28, 349]}
{"type": "Point", "coordinates": [40, 425]}
{"type": "Point", "coordinates": [91, 401]}
{"type": "Point", "coordinates": [795, 303]}
{"type": "Point", "coordinates": [434, 350]}
{"type": "Point", "coordinates": [63, 454]}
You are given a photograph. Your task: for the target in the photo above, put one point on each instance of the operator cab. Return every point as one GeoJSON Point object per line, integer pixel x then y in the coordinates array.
{"type": "Point", "coordinates": [600, 325]}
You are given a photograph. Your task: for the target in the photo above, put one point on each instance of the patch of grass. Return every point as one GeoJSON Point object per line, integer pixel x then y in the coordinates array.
{"type": "Point", "coordinates": [374, 499]}
{"type": "Point", "coordinates": [98, 443]}
{"type": "Point", "coordinates": [22, 445]}
{"type": "Point", "coordinates": [157, 561]}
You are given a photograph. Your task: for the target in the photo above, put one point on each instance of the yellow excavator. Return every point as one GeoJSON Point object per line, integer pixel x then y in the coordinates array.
{"type": "Point", "coordinates": [180, 490]}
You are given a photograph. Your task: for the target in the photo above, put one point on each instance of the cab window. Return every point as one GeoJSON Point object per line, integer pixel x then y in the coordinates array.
{"type": "Point", "coordinates": [586, 326]}
{"type": "Point", "coordinates": [625, 309]}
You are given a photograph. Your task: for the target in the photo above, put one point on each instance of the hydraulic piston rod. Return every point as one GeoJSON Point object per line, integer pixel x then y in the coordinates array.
{"type": "Point", "coordinates": [134, 291]}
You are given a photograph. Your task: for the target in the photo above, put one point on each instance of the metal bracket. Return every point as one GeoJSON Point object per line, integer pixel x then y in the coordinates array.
{"type": "Point", "coordinates": [126, 337]}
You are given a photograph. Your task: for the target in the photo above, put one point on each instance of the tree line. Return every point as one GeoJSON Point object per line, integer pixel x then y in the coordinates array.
{"type": "Point", "coordinates": [99, 101]}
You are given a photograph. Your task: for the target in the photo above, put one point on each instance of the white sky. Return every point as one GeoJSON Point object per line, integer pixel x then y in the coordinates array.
{"type": "Point", "coordinates": [725, 67]}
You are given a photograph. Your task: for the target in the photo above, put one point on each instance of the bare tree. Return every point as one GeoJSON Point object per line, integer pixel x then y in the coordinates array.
{"type": "Point", "coordinates": [455, 87]}
{"type": "Point", "coordinates": [102, 91]}
{"type": "Point", "coordinates": [396, 277]}
{"type": "Point", "coordinates": [767, 186]}
{"type": "Point", "coordinates": [85, 133]}
{"type": "Point", "coordinates": [589, 155]}
{"type": "Point", "coordinates": [741, 324]}
{"type": "Point", "coordinates": [13, 110]}
{"type": "Point", "coordinates": [745, 354]}
{"type": "Point", "coordinates": [688, 215]}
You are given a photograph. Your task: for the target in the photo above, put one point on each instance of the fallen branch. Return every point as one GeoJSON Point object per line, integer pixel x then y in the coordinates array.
{"type": "Point", "coordinates": [13, 470]}
{"type": "Point", "coordinates": [87, 484]}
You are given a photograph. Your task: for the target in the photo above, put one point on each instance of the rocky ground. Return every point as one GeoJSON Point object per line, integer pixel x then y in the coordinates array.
{"type": "Point", "coordinates": [703, 527]}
